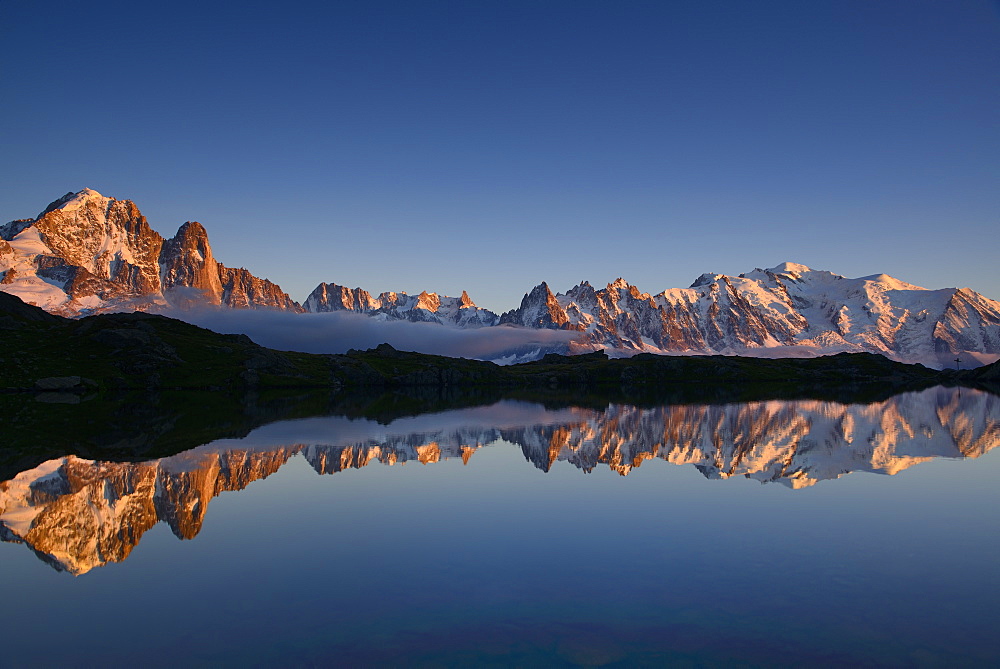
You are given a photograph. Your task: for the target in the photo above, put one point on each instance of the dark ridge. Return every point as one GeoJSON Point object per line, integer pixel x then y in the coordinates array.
{"type": "Point", "coordinates": [55, 204]}
{"type": "Point", "coordinates": [15, 308]}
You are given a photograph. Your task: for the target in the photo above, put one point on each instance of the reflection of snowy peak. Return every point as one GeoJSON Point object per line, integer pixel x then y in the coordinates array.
{"type": "Point", "coordinates": [772, 310]}
{"type": "Point", "coordinates": [797, 443]}
{"type": "Point", "coordinates": [426, 448]}
{"type": "Point", "coordinates": [425, 307]}
{"type": "Point", "coordinates": [88, 253]}
{"type": "Point", "coordinates": [78, 514]}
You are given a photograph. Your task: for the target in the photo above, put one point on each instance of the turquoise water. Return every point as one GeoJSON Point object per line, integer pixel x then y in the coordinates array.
{"type": "Point", "coordinates": [872, 539]}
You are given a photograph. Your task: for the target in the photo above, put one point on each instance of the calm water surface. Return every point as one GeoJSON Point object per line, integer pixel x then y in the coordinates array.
{"type": "Point", "coordinates": [767, 533]}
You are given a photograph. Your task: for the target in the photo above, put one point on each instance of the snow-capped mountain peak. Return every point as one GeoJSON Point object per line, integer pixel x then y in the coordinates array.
{"type": "Point", "coordinates": [88, 253]}
{"type": "Point", "coordinates": [790, 309]}
{"type": "Point", "coordinates": [791, 268]}
{"type": "Point", "coordinates": [83, 197]}
{"type": "Point", "coordinates": [619, 283]}
{"type": "Point", "coordinates": [74, 201]}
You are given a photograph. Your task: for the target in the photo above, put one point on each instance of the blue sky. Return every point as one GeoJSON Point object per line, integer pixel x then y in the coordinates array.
{"type": "Point", "coordinates": [488, 146]}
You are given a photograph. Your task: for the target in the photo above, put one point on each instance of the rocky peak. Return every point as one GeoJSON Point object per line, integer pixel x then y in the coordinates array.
{"type": "Point", "coordinates": [72, 201]}
{"type": "Point", "coordinates": [334, 297]}
{"type": "Point", "coordinates": [706, 279]}
{"type": "Point", "coordinates": [540, 294]}
{"type": "Point", "coordinates": [427, 306]}
{"type": "Point", "coordinates": [187, 262]}
{"type": "Point", "coordinates": [243, 290]}
{"type": "Point", "coordinates": [86, 252]}
{"type": "Point", "coordinates": [618, 284]}
{"type": "Point", "coordinates": [91, 247]}
{"type": "Point", "coordinates": [583, 294]}
{"type": "Point", "coordinates": [191, 241]}
{"type": "Point", "coordinates": [539, 309]}
{"type": "Point", "coordinates": [541, 291]}
{"type": "Point", "coordinates": [192, 232]}
{"type": "Point", "coordinates": [389, 298]}
{"type": "Point", "coordinates": [319, 298]}
{"type": "Point", "coordinates": [428, 301]}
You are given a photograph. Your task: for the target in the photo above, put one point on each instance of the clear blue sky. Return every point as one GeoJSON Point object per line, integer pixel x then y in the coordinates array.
{"type": "Point", "coordinates": [488, 146]}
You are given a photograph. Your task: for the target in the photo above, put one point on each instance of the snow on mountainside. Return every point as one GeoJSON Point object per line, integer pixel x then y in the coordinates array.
{"type": "Point", "coordinates": [785, 310]}
{"type": "Point", "coordinates": [425, 307]}
{"type": "Point", "coordinates": [87, 253]}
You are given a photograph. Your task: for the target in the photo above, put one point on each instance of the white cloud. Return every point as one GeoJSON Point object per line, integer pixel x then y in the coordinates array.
{"type": "Point", "coordinates": [336, 332]}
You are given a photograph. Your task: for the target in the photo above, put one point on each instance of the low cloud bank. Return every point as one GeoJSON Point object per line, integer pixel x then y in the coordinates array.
{"type": "Point", "coordinates": [336, 332]}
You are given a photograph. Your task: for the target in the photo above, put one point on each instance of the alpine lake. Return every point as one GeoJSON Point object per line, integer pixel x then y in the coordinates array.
{"type": "Point", "coordinates": [198, 529]}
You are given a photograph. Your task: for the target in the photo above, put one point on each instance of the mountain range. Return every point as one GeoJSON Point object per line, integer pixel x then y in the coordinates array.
{"type": "Point", "coordinates": [785, 310]}
{"type": "Point", "coordinates": [86, 253]}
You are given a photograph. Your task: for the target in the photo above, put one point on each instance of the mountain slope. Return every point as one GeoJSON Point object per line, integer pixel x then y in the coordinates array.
{"type": "Point", "coordinates": [86, 253]}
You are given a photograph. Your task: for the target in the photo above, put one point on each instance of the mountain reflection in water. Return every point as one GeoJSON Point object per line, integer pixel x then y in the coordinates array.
{"type": "Point", "coordinates": [78, 514]}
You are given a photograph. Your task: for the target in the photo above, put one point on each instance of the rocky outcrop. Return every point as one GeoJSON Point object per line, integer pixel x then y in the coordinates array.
{"type": "Point", "coordinates": [86, 253]}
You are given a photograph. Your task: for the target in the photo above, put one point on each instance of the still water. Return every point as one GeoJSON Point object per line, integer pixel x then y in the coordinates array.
{"type": "Point", "coordinates": [766, 533]}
